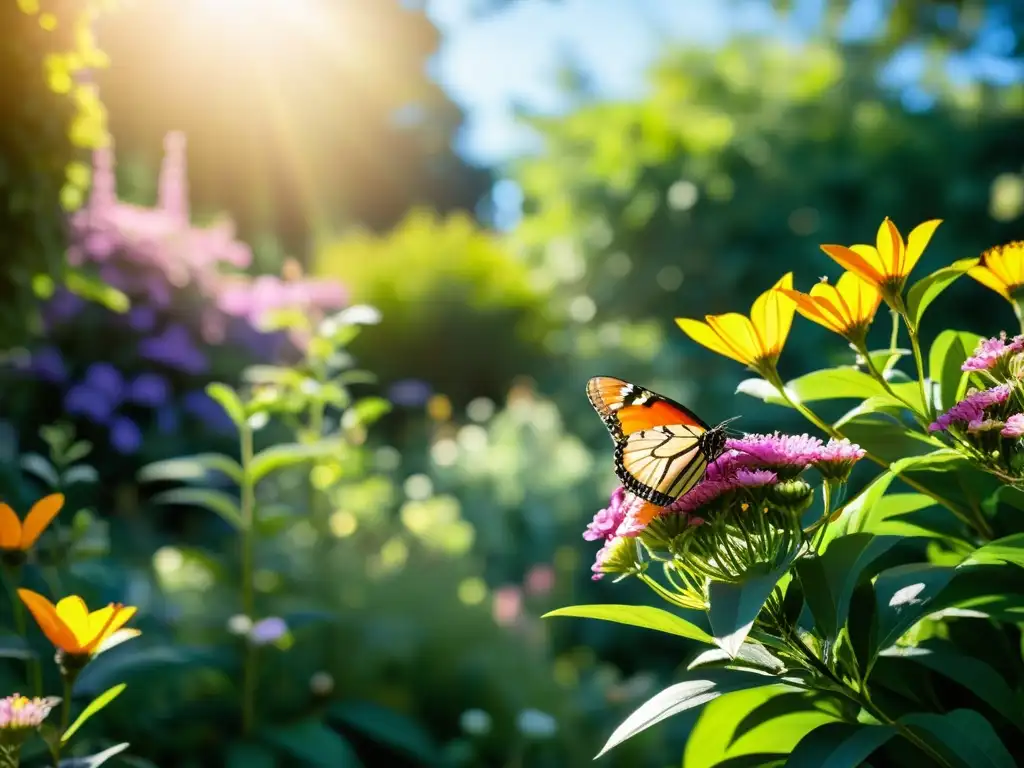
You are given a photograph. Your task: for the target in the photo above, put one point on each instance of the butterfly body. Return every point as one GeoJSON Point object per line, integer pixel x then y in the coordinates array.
{"type": "Point", "coordinates": [661, 447]}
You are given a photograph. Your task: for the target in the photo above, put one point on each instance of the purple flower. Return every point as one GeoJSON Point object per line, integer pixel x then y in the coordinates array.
{"type": "Point", "coordinates": [125, 436]}
{"type": "Point", "coordinates": [990, 351]}
{"type": "Point", "coordinates": [82, 400]}
{"type": "Point", "coordinates": [971, 408]}
{"type": "Point", "coordinates": [268, 630]}
{"type": "Point", "coordinates": [604, 554]}
{"type": "Point", "coordinates": [62, 307]}
{"type": "Point", "coordinates": [142, 318]}
{"type": "Point", "coordinates": [754, 478]}
{"type": "Point", "coordinates": [409, 392]}
{"type": "Point", "coordinates": [836, 459]}
{"type": "Point", "coordinates": [106, 380]}
{"type": "Point", "coordinates": [984, 425]}
{"type": "Point", "coordinates": [149, 389]}
{"type": "Point", "coordinates": [175, 348]}
{"type": "Point", "coordinates": [48, 365]}
{"type": "Point", "coordinates": [18, 712]}
{"type": "Point", "coordinates": [786, 454]}
{"type": "Point", "coordinates": [167, 420]}
{"type": "Point", "coordinates": [607, 521]}
{"type": "Point", "coordinates": [1014, 426]}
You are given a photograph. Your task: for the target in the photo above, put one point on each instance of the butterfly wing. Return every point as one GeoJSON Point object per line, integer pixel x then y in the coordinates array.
{"type": "Point", "coordinates": [659, 453]}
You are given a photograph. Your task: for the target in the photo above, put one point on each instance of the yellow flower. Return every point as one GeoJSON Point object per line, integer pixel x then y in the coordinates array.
{"type": "Point", "coordinates": [73, 629]}
{"type": "Point", "coordinates": [16, 535]}
{"type": "Point", "coordinates": [1002, 269]}
{"type": "Point", "coordinates": [887, 263]}
{"type": "Point", "coordinates": [755, 341]}
{"type": "Point", "coordinates": [847, 308]}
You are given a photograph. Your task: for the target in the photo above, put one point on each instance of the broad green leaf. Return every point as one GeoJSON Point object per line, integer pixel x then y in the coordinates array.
{"type": "Point", "coordinates": [219, 502]}
{"type": "Point", "coordinates": [279, 457]}
{"type": "Point", "coordinates": [245, 754]}
{"type": "Point", "coordinates": [312, 743]}
{"type": "Point", "coordinates": [732, 608]}
{"type": "Point", "coordinates": [386, 727]}
{"type": "Point", "coordinates": [365, 412]}
{"type": "Point", "coordinates": [887, 437]}
{"type": "Point", "coordinates": [229, 400]}
{"type": "Point", "coordinates": [700, 689]}
{"type": "Point", "coordinates": [758, 722]}
{"type": "Point", "coordinates": [828, 581]}
{"type": "Point", "coordinates": [902, 596]}
{"type": "Point", "coordinates": [907, 514]}
{"type": "Point", "coordinates": [984, 590]}
{"type": "Point", "coordinates": [126, 662]}
{"type": "Point", "coordinates": [93, 707]}
{"type": "Point", "coordinates": [944, 658]}
{"type": "Point", "coordinates": [826, 384]}
{"type": "Point", "coordinates": [839, 745]}
{"type": "Point", "coordinates": [41, 468]}
{"type": "Point", "coordinates": [858, 510]}
{"type": "Point", "coordinates": [963, 737]}
{"type": "Point", "coordinates": [80, 473]}
{"type": "Point", "coordinates": [936, 461]}
{"type": "Point", "coordinates": [926, 290]}
{"type": "Point", "coordinates": [1009, 549]}
{"type": "Point", "coordinates": [191, 469]}
{"type": "Point", "coordinates": [884, 405]}
{"type": "Point", "coordinates": [644, 616]}
{"type": "Point", "coordinates": [948, 352]}
{"type": "Point", "coordinates": [750, 655]}
{"type": "Point", "coordinates": [94, 761]}
{"type": "Point", "coordinates": [884, 359]}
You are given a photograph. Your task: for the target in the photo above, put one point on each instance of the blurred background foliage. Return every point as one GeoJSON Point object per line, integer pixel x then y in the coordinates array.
{"type": "Point", "coordinates": [306, 157]}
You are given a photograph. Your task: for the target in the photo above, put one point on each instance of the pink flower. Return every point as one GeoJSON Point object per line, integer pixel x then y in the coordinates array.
{"type": "Point", "coordinates": [607, 521]}
{"type": "Point", "coordinates": [18, 712]}
{"type": "Point", "coordinates": [836, 459]}
{"type": "Point", "coordinates": [540, 579]}
{"type": "Point", "coordinates": [971, 408]}
{"type": "Point", "coordinates": [990, 351]}
{"type": "Point", "coordinates": [508, 605]}
{"type": "Point", "coordinates": [1014, 426]}
{"type": "Point", "coordinates": [706, 492]}
{"type": "Point", "coordinates": [786, 454]}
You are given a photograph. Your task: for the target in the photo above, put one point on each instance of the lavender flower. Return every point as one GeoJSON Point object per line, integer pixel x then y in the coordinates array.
{"type": "Point", "coordinates": [175, 348]}
{"type": "Point", "coordinates": [125, 435]}
{"type": "Point", "coordinates": [971, 408]}
{"type": "Point", "coordinates": [149, 389]}
{"type": "Point", "coordinates": [82, 400]}
{"type": "Point", "coordinates": [787, 455]}
{"type": "Point", "coordinates": [836, 459]}
{"type": "Point", "coordinates": [1014, 426]}
{"type": "Point", "coordinates": [142, 318]}
{"type": "Point", "coordinates": [106, 381]}
{"type": "Point", "coordinates": [268, 630]}
{"type": "Point", "coordinates": [18, 712]}
{"type": "Point", "coordinates": [48, 364]}
{"type": "Point", "coordinates": [607, 521]}
{"type": "Point", "coordinates": [990, 352]}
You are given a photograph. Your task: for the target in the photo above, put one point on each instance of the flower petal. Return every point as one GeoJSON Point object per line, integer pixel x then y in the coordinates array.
{"type": "Point", "coordinates": [106, 621]}
{"type": "Point", "coordinates": [862, 297]}
{"type": "Point", "coordinates": [40, 516]}
{"type": "Point", "coordinates": [703, 334]}
{"type": "Point", "coordinates": [772, 315]}
{"type": "Point", "coordinates": [832, 306]}
{"type": "Point", "coordinates": [116, 638]}
{"type": "Point", "coordinates": [45, 614]}
{"type": "Point", "coordinates": [855, 261]}
{"type": "Point", "coordinates": [990, 279]}
{"type": "Point", "coordinates": [889, 244]}
{"type": "Point", "coordinates": [738, 332]}
{"type": "Point", "coordinates": [10, 528]}
{"type": "Point", "coordinates": [74, 613]}
{"type": "Point", "coordinates": [917, 241]}
{"type": "Point", "coordinates": [808, 307]}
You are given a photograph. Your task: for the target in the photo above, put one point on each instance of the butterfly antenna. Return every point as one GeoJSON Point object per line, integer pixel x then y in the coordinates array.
{"type": "Point", "coordinates": [723, 426]}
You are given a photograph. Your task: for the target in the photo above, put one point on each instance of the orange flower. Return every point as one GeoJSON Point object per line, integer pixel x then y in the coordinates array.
{"type": "Point", "coordinates": [73, 629]}
{"type": "Point", "coordinates": [755, 341]}
{"type": "Point", "coordinates": [1002, 269]}
{"type": "Point", "coordinates": [887, 263]}
{"type": "Point", "coordinates": [847, 308]}
{"type": "Point", "coordinates": [16, 535]}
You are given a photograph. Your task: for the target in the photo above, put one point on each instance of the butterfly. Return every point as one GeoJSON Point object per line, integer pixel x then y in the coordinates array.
{"type": "Point", "coordinates": [661, 447]}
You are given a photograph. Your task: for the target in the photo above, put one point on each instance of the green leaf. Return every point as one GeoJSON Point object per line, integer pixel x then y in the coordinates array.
{"type": "Point", "coordinates": [229, 400]}
{"type": "Point", "coordinates": [35, 464]}
{"type": "Point", "coordinates": [907, 514]}
{"type": "Point", "coordinates": [272, 374]}
{"type": "Point", "coordinates": [943, 657]}
{"type": "Point", "coordinates": [732, 608]}
{"type": "Point", "coordinates": [827, 384]}
{"type": "Point", "coordinates": [94, 706]}
{"type": "Point", "coordinates": [928, 288]}
{"type": "Point", "coordinates": [963, 737]}
{"type": "Point", "coordinates": [902, 596]}
{"type": "Point", "coordinates": [191, 469]}
{"type": "Point", "coordinates": [644, 616]}
{"type": "Point", "coordinates": [758, 722]}
{"type": "Point", "coordinates": [839, 745]}
{"type": "Point", "coordinates": [94, 761]}
{"type": "Point", "coordinates": [884, 359]}
{"type": "Point", "coordinates": [279, 457]}
{"type": "Point", "coordinates": [16, 647]}
{"type": "Point", "coordinates": [828, 581]}
{"type": "Point", "coordinates": [246, 754]}
{"type": "Point", "coordinates": [313, 743]}
{"type": "Point", "coordinates": [1009, 549]}
{"type": "Point", "coordinates": [695, 692]}
{"type": "Point", "coordinates": [948, 352]}
{"type": "Point", "coordinates": [388, 728]}
{"type": "Point", "coordinates": [365, 412]}
{"type": "Point", "coordinates": [750, 655]}
{"type": "Point", "coordinates": [219, 502]}
{"type": "Point", "coordinates": [128, 662]}
{"type": "Point", "coordinates": [93, 289]}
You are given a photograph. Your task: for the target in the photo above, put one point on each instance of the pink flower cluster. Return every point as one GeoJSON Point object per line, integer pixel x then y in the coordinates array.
{"type": "Point", "coordinates": [990, 352]}
{"type": "Point", "coordinates": [971, 410]}
{"type": "Point", "coordinates": [18, 712]}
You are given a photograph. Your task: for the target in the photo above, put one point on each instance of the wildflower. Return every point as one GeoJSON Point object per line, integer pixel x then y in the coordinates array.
{"type": "Point", "coordinates": [787, 455]}
{"type": "Point", "coordinates": [887, 263]}
{"type": "Point", "coordinates": [1014, 426]}
{"type": "Point", "coordinates": [20, 536]}
{"type": "Point", "coordinates": [1002, 269]}
{"type": "Point", "coordinates": [971, 408]}
{"type": "Point", "coordinates": [74, 630]}
{"type": "Point", "coordinates": [754, 341]}
{"type": "Point", "coordinates": [846, 308]}
{"type": "Point", "coordinates": [20, 714]}
{"type": "Point", "coordinates": [508, 605]}
{"type": "Point", "coordinates": [540, 579]}
{"type": "Point", "coordinates": [617, 556]}
{"type": "Point", "coordinates": [607, 521]}
{"type": "Point", "coordinates": [991, 352]}
{"type": "Point", "coordinates": [268, 630]}
{"type": "Point", "coordinates": [836, 459]}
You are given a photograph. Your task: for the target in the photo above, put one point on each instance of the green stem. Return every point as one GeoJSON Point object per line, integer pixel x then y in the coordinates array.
{"type": "Point", "coordinates": [10, 755]}
{"type": "Point", "coordinates": [248, 503]}
{"type": "Point", "coordinates": [921, 418]}
{"type": "Point", "coordinates": [32, 665]}
{"type": "Point", "coordinates": [65, 716]}
{"type": "Point", "coordinates": [904, 731]}
{"type": "Point", "coordinates": [915, 345]}
{"type": "Point", "coordinates": [664, 593]}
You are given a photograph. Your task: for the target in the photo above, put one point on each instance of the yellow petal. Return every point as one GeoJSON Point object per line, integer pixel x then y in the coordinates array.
{"type": "Point", "coordinates": [860, 296]}
{"type": "Point", "coordinates": [772, 315]}
{"type": "Point", "coordinates": [40, 516]}
{"type": "Point", "coordinates": [45, 614]}
{"type": "Point", "coordinates": [116, 638]}
{"type": "Point", "coordinates": [74, 613]}
{"type": "Point", "coordinates": [10, 528]}
{"type": "Point", "coordinates": [808, 307]}
{"type": "Point", "coordinates": [739, 333]}
{"type": "Point", "coordinates": [889, 244]}
{"type": "Point", "coordinates": [989, 279]}
{"type": "Point", "coordinates": [106, 621]}
{"type": "Point", "coordinates": [917, 241]}
{"type": "Point", "coordinates": [706, 337]}
{"type": "Point", "coordinates": [856, 260]}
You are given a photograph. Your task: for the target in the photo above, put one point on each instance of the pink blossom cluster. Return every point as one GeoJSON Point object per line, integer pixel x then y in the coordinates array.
{"type": "Point", "coordinates": [990, 352]}
{"type": "Point", "coordinates": [19, 712]}
{"type": "Point", "coordinates": [971, 410]}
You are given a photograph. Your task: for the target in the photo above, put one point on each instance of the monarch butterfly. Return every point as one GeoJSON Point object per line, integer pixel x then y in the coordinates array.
{"type": "Point", "coordinates": [661, 447]}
